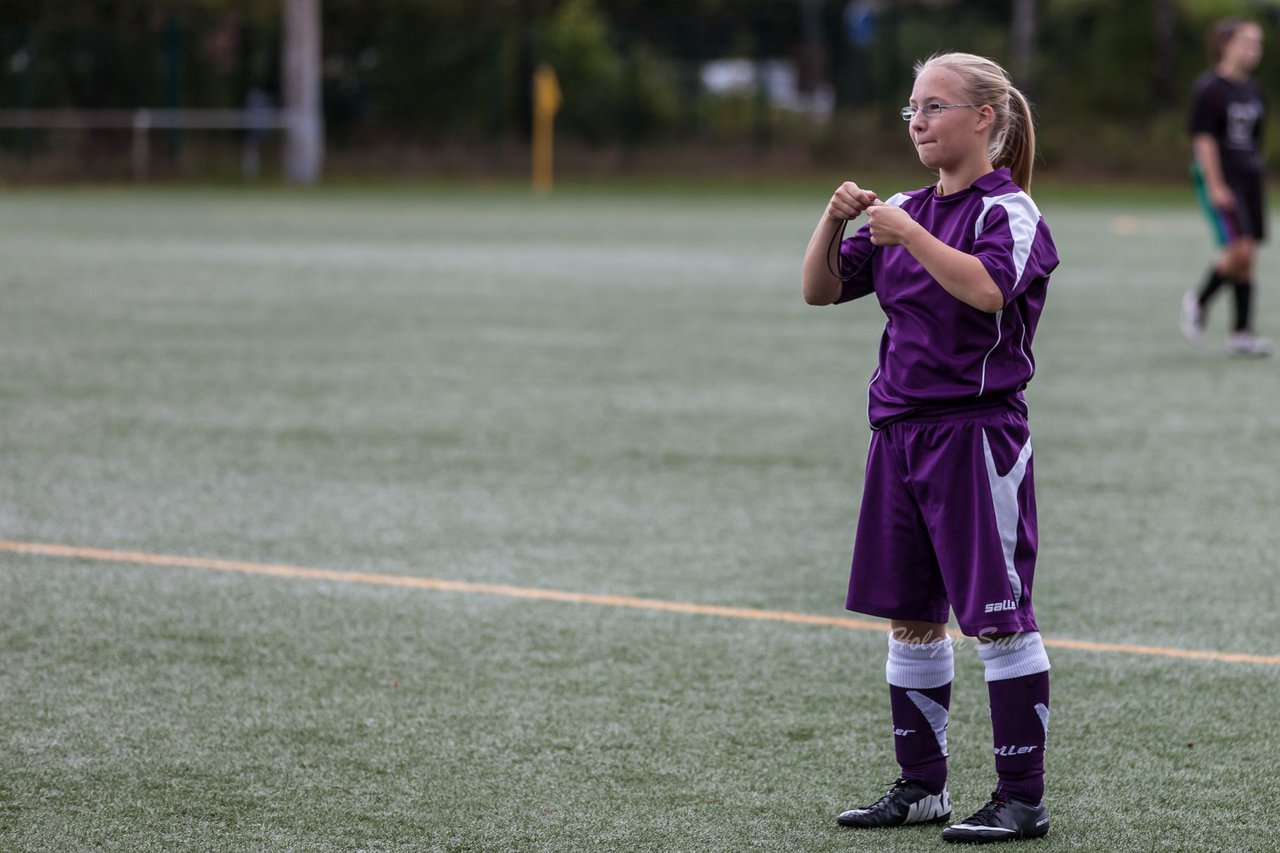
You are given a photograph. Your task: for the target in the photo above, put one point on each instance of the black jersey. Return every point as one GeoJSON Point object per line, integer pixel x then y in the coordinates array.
{"type": "Point", "coordinates": [1232, 113]}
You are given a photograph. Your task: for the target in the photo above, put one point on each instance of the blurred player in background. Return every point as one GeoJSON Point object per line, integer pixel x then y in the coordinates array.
{"type": "Point", "coordinates": [948, 518]}
{"type": "Point", "coordinates": [1227, 114]}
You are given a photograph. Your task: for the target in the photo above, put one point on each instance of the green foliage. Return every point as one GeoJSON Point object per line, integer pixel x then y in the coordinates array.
{"type": "Point", "coordinates": [576, 44]}
{"type": "Point", "coordinates": [610, 93]}
{"type": "Point", "coordinates": [1206, 11]}
{"type": "Point", "coordinates": [439, 71]}
{"type": "Point", "coordinates": [655, 100]}
{"type": "Point", "coordinates": [1103, 57]}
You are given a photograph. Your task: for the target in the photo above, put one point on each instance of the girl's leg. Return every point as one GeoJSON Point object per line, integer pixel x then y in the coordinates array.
{"type": "Point", "coordinates": [1195, 303]}
{"type": "Point", "coordinates": [1242, 341]}
{"type": "Point", "coordinates": [1213, 282]}
{"type": "Point", "coordinates": [1018, 685]}
{"type": "Point", "coordinates": [1017, 674]}
{"type": "Point", "coordinates": [919, 670]}
{"type": "Point", "coordinates": [1243, 253]}
{"type": "Point", "coordinates": [1232, 266]}
{"type": "Point", "coordinates": [905, 631]}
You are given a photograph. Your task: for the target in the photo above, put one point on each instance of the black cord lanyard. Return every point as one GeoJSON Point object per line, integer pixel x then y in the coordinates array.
{"type": "Point", "coordinates": [837, 238]}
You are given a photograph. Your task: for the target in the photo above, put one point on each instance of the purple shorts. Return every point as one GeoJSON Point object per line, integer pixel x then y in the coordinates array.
{"type": "Point", "coordinates": [948, 520]}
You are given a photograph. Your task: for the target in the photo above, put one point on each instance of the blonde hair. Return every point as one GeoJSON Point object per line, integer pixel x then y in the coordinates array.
{"type": "Point", "coordinates": [1013, 134]}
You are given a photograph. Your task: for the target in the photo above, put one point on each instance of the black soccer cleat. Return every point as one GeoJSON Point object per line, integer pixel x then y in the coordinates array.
{"type": "Point", "coordinates": [906, 802]}
{"type": "Point", "coordinates": [1000, 820]}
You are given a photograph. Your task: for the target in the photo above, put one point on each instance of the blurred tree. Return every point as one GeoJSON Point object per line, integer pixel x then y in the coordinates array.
{"type": "Point", "coordinates": [1164, 34]}
{"type": "Point", "coordinates": [577, 45]}
{"type": "Point", "coordinates": [435, 71]}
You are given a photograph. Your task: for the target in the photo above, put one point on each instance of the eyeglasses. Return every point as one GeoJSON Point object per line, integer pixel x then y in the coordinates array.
{"type": "Point", "coordinates": [931, 110]}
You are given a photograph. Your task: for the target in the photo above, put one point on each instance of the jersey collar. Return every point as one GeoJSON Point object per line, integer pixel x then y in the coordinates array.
{"type": "Point", "coordinates": [988, 183]}
{"type": "Point", "coordinates": [994, 180]}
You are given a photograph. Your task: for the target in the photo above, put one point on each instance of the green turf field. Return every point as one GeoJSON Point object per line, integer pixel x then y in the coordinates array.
{"type": "Point", "coordinates": [604, 392]}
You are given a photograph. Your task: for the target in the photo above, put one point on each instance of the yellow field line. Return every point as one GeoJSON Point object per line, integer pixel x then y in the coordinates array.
{"type": "Point", "coordinates": [441, 585]}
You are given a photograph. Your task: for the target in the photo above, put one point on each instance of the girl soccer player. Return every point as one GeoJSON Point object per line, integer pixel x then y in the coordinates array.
{"type": "Point", "coordinates": [1227, 115]}
{"type": "Point", "coordinates": [948, 517]}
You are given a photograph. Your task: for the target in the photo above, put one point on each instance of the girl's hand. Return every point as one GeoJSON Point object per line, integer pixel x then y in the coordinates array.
{"type": "Point", "coordinates": [890, 225]}
{"type": "Point", "coordinates": [849, 200]}
{"type": "Point", "coordinates": [1221, 197]}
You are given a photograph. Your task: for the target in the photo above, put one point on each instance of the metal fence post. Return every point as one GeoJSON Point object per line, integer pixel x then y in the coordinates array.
{"type": "Point", "coordinates": [304, 137]}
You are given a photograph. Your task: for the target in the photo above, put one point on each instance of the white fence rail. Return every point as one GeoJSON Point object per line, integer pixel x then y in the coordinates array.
{"type": "Point", "coordinates": [142, 121]}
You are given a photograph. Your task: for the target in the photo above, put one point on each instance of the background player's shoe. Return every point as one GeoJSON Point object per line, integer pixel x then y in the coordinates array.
{"type": "Point", "coordinates": [1000, 820]}
{"type": "Point", "coordinates": [1248, 345]}
{"type": "Point", "coordinates": [1192, 318]}
{"type": "Point", "coordinates": [907, 802]}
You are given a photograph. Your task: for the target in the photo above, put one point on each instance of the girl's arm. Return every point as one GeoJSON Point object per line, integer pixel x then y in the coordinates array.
{"type": "Point", "coordinates": [960, 274]}
{"type": "Point", "coordinates": [1205, 149]}
{"type": "Point", "coordinates": [820, 287]}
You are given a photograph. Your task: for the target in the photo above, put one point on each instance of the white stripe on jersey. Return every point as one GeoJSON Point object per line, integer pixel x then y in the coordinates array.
{"type": "Point", "coordinates": [869, 384]}
{"type": "Point", "coordinates": [1022, 348]}
{"type": "Point", "coordinates": [1024, 216]}
{"type": "Point", "coordinates": [982, 386]}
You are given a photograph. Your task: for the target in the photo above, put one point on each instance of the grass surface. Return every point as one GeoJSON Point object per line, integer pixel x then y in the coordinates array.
{"type": "Point", "coordinates": [601, 392]}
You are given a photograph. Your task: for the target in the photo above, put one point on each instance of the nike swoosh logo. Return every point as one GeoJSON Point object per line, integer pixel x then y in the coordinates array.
{"type": "Point", "coordinates": [990, 829]}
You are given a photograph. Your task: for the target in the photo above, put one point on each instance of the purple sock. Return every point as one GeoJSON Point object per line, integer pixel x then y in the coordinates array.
{"type": "Point", "coordinates": [920, 734]}
{"type": "Point", "coordinates": [1019, 717]}
{"type": "Point", "coordinates": [920, 695]}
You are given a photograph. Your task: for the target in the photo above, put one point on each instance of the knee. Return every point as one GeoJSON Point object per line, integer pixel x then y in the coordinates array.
{"type": "Point", "coordinates": [916, 633]}
{"type": "Point", "coordinates": [1239, 260]}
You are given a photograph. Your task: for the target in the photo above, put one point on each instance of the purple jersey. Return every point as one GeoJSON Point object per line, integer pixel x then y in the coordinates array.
{"type": "Point", "coordinates": [938, 354]}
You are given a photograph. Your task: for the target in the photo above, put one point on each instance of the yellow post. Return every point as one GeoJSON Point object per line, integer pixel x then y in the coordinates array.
{"type": "Point", "coordinates": [546, 102]}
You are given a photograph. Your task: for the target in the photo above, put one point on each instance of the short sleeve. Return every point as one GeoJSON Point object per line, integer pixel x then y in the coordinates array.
{"type": "Point", "coordinates": [1013, 243]}
{"type": "Point", "coordinates": [1208, 114]}
{"type": "Point", "coordinates": [854, 266]}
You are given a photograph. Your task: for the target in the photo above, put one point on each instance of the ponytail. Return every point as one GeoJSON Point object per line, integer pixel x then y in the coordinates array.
{"type": "Point", "coordinates": [1017, 145]}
